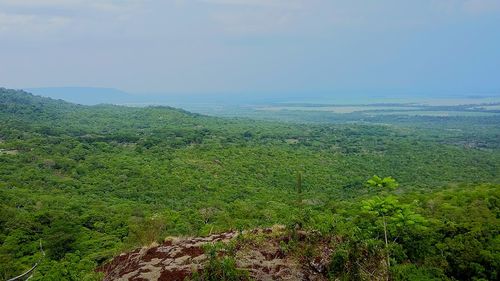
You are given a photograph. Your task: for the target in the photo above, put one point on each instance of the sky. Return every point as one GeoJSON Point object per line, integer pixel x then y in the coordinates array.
{"type": "Point", "coordinates": [250, 47]}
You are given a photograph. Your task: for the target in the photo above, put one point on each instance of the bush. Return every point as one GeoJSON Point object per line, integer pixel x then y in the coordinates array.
{"type": "Point", "coordinates": [220, 269]}
{"type": "Point", "coordinates": [411, 272]}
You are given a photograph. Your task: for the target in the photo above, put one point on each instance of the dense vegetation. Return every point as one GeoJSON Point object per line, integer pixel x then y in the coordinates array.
{"type": "Point", "coordinates": [89, 182]}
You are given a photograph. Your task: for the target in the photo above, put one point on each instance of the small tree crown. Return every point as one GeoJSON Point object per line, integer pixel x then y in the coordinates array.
{"type": "Point", "coordinates": [382, 183]}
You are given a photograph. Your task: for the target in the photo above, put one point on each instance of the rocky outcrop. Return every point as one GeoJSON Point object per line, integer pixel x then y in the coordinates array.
{"type": "Point", "coordinates": [261, 252]}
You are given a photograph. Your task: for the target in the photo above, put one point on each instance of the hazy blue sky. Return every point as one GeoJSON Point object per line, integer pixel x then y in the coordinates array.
{"type": "Point", "coordinates": [253, 46]}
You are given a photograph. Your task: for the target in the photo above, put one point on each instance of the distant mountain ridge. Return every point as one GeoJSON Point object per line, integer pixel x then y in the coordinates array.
{"type": "Point", "coordinates": [85, 95]}
{"type": "Point", "coordinates": [193, 101]}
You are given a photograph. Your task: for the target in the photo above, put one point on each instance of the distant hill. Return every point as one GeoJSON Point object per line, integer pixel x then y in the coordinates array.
{"type": "Point", "coordinates": [28, 113]}
{"type": "Point", "coordinates": [96, 95]}
{"type": "Point", "coordinates": [85, 95]}
{"type": "Point", "coordinates": [21, 105]}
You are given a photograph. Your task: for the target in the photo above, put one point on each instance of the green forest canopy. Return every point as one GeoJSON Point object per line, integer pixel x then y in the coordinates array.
{"type": "Point", "coordinates": [92, 181]}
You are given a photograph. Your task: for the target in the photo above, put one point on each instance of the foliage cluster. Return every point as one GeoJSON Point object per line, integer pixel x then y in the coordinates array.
{"type": "Point", "coordinates": [220, 268]}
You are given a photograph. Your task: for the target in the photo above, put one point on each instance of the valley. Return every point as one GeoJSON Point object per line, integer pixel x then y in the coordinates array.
{"type": "Point", "coordinates": [92, 182]}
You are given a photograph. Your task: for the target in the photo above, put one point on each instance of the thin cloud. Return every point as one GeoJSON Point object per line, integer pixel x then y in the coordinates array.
{"type": "Point", "coordinates": [20, 23]}
{"type": "Point", "coordinates": [481, 6]}
{"type": "Point", "coordinates": [470, 7]}
{"type": "Point", "coordinates": [30, 17]}
{"type": "Point", "coordinates": [253, 16]}
{"type": "Point", "coordinates": [261, 3]}
{"type": "Point", "coordinates": [252, 22]}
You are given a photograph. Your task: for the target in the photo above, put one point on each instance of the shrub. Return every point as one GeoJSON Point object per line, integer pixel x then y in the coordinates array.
{"type": "Point", "coordinates": [220, 268]}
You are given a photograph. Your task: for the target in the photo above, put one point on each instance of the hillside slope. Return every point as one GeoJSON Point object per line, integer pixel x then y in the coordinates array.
{"type": "Point", "coordinates": [343, 250]}
{"type": "Point", "coordinates": [91, 182]}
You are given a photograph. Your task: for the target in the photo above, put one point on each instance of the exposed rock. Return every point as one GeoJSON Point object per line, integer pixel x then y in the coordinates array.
{"type": "Point", "coordinates": [258, 251]}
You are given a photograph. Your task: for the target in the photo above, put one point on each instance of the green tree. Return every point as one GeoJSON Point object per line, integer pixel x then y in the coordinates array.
{"type": "Point", "coordinates": [388, 212]}
{"type": "Point", "coordinates": [299, 182]}
{"type": "Point", "coordinates": [387, 183]}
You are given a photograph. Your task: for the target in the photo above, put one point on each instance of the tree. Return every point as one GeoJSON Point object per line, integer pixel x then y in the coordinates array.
{"type": "Point", "coordinates": [387, 183]}
{"type": "Point", "coordinates": [382, 208]}
{"type": "Point", "coordinates": [299, 182]}
{"type": "Point", "coordinates": [389, 212]}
